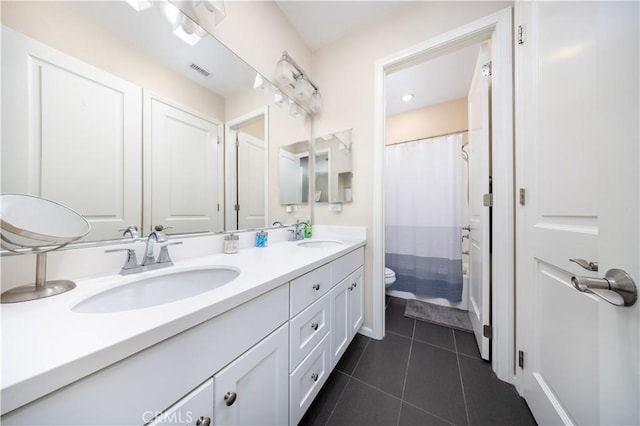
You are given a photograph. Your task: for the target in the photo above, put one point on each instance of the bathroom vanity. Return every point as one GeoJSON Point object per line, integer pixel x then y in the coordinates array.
{"type": "Point", "coordinates": [254, 351]}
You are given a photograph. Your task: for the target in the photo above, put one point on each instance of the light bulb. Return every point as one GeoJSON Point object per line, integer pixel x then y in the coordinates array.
{"type": "Point", "coordinates": [284, 72]}
{"type": "Point", "coordinates": [302, 90]}
{"type": "Point", "coordinates": [316, 102]}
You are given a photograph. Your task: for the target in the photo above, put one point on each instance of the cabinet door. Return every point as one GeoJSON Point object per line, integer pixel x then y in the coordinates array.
{"type": "Point", "coordinates": [356, 302]}
{"type": "Point", "coordinates": [340, 320]}
{"type": "Point", "coordinates": [193, 409]}
{"type": "Point", "coordinates": [253, 389]}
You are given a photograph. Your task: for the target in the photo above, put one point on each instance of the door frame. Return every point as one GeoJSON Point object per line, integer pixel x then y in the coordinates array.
{"type": "Point", "coordinates": [230, 161]}
{"type": "Point", "coordinates": [499, 26]}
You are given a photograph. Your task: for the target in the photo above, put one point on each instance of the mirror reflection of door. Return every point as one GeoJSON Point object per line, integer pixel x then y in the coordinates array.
{"type": "Point", "coordinates": [247, 182]}
{"type": "Point", "coordinates": [293, 173]}
{"type": "Point", "coordinates": [251, 192]}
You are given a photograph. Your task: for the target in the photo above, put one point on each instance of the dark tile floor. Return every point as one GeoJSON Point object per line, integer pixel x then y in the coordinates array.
{"type": "Point", "coordinates": [420, 374]}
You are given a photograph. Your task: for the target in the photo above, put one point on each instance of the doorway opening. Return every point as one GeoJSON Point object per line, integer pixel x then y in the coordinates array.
{"type": "Point", "coordinates": [495, 31]}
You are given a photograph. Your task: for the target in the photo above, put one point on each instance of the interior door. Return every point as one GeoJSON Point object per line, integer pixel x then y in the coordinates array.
{"type": "Point", "coordinates": [479, 214]}
{"type": "Point", "coordinates": [289, 174]}
{"type": "Point", "coordinates": [578, 112]}
{"type": "Point", "coordinates": [185, 174]}
{"type": "Point", "coordinates": [252, 163]}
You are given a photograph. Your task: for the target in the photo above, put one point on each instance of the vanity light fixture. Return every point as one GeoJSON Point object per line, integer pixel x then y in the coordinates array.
{"type": "Point", "coordinates": [407, 97]}
{"type": "Point", "coordinates": [315, 105]}
{"type": "Point", "coordinates": [189, 32]}
{"type": "Point", "coordinates": [259, 83]}
{"type": "Point", "coordinates": [292, 79]}
{"type": "Point", "coordinates": [278, 97]}
{"type": "Point", "coordinates": [139, 5]}
{"type": "Point", "coordinates": [217, 8]}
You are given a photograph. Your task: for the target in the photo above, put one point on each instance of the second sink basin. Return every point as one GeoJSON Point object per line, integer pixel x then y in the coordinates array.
{"type": "Point", "coordinates": [319, 243]}
{"type": "Point", "coordinates": [157, 290]}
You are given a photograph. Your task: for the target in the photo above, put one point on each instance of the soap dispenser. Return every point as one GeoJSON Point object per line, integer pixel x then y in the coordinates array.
{"type": "Point", "coordinates": [308, 229]}
{"type": "Point", "coordinates": [231, 243]}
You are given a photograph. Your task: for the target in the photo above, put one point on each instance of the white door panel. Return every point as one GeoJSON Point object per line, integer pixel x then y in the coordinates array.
{"type": "Point", "coordinates": [479, 215]}
{"type": "Point", "coordinates": [93, 166]}
{"type": "Point", "coordinates": [185, 173]}
{"type": "Point", "coordinates": [252, 162]}
{"type": "Point", "coordinates": [577, 116]}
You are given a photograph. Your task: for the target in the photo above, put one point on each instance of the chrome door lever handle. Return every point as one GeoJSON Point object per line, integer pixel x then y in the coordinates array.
{"type": "Point", "coordinates": [616, 287]}
{"type": "Point", "coordinates": [589, 266]}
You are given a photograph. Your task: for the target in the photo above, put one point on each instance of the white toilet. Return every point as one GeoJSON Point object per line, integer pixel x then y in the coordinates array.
{"type": "Point", "coordinates": [389, 277]}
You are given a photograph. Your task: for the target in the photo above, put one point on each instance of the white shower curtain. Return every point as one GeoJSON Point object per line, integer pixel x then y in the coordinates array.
{"type": "Point", "coordinates": [424, 216]}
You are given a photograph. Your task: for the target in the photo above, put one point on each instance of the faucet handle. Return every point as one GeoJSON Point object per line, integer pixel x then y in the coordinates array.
{"type": "Point", "coordinates": [130, 263]}
{"type": "Point", "coordinates": [164, 257]}
{"type": "Point", "coordinates": [130, 231]}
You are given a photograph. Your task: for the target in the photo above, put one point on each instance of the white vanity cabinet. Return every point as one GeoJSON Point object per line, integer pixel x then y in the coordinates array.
{"type": "Point", "coordinates": [326, 312]}
{"type": "Point", "coordinates": [253, 389]}
{"type": "Point", "coordinates": [347, 314]}
{"type": "Point", "coordinates": [195, 409]}
{"type": "Point", "coordinates": [137, 389]}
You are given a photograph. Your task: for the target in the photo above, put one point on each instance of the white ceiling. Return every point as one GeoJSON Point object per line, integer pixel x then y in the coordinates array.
{"type": "Point", "coordinates": [439, 80]}
{"type": "Point", "coordinates": [322, 22]}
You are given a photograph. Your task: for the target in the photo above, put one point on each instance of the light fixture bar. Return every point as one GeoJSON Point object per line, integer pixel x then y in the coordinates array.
{"type": "Point", "coordinates": [299, 69]}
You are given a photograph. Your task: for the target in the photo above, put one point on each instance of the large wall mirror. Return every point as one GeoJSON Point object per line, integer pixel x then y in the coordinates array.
{"type": "Point", "coordinates": [137, 118]}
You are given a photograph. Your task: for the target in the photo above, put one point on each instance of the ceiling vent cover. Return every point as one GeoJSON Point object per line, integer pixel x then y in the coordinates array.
{"type": "Point", "coordinates": [200, 70]}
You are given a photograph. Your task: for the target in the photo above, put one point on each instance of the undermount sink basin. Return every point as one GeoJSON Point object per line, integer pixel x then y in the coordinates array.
{"type": "Point", "coordinates": [319, 243]}
{"type": "Point", "coordinates": [157, 290]}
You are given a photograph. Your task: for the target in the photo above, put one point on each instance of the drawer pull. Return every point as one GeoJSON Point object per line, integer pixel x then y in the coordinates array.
{"type": "Point", "coordinates": [314, 377]}
{"type": "Point", "coordinates": [314, 325]}
{"type": "Point", "coordinates": [351, 287]}
{"type": "Point", "coordinates": [316, 287]}
{"type": "Point", "coordinates": [203, 421]}
{"type": "Point", "coordinates": [230, 398]}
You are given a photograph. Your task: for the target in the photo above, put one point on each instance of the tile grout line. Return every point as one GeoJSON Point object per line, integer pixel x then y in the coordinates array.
{"type": "Point", "coordinates": [406, 372]}
{"type": "Point", "coordinates": [464, 398]}
{"type": "Point", "coordinates": [348, 381]}
{"type": "Point", "coordinates": [402, 401]}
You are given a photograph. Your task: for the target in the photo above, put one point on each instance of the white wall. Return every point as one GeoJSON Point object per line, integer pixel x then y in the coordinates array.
{"type": "Point", "coordinates": [344, 70]}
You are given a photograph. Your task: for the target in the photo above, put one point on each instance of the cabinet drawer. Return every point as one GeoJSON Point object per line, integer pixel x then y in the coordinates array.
{"type": "Point", "coordinates": [345, 265]}
{"type": "Point", "coordinates": [308, 288]}
{"type": "Point", "coordinates": [305, 382]}
{"type": "Point", "coordinates": [307, 329]}
{"type": "Point", "coordinates": [196, 405]}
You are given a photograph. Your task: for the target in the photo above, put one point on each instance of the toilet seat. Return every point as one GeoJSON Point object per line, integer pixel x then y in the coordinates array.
{"type": "Point", "coordinates": [389, 277]}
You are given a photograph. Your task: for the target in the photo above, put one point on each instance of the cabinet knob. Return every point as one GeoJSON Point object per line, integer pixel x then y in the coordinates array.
{"type": "Point", "coordinates": [314, 377]}
{"type": "Point", "coordinates": [316, 287]}
{"type": "Point", "coordinates": [355, 284]}
{"type": "Point", "coordinates": [203, 421]}
{"type": "Point", "coordinates": [351, 287]}
{"type": "Point", "coordinates": [314, 325]}
{"type": "Point", "coordinates": [230, 398]}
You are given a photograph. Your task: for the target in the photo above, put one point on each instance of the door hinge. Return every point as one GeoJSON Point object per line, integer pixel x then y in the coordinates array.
{"type": "Point", "coordinates": [520, 359]}
{"type": "Point", "coordinates": [522, 196]}
{"type": "Point", "coordinates": [487, 200]}
{"type": "Point", "coordinates": [487, 69]}
{"type": "Point", "coordinates": [218, 207]}
{"type": "Point", "coordinates": [487, 331]}
{"type": "Point", "coordinates": [237, 141]}
{"type": "Point", "coordinates": [237, 207]}
{"type": "Point", "coordinates": [520, 34]}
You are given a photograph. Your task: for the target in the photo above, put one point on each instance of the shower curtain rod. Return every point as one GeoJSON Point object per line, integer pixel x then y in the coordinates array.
{"type": "Point", "coordinates": [431, 137]}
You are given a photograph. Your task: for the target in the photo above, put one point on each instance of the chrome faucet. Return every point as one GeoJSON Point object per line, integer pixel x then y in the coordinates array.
{"type": "Point", "coordinates": [152, 239]}
{"type": "Point", "coordinates": [149, 262]}
{"type": "Point", "coordinates": [298, 232]}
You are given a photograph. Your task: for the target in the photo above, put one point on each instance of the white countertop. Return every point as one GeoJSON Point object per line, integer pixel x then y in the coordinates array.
{"type": "Point", "coordinates": [46, 345]}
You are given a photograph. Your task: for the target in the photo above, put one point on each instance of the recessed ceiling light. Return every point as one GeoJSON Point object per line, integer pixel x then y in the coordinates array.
{"type": "Point", "coordinates": [407, 97]}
